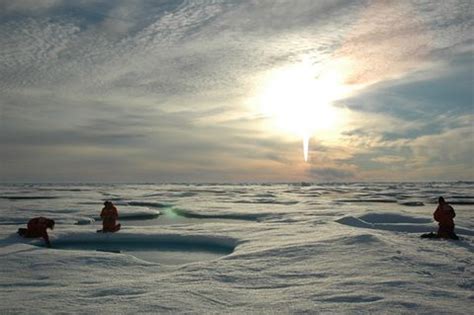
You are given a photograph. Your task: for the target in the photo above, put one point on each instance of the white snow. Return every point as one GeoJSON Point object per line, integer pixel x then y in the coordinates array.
{"type": "Point", "coordinates": [237, 249]}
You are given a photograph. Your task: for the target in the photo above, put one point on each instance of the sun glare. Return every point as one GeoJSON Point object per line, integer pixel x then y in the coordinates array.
{"type": "Point", "coordinates": [299, 99]}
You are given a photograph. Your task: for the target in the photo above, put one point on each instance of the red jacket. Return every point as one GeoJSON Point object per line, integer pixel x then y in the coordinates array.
{"type": "Point", "coordinates": [37, 228]}
{"type": "Point", "coordinates": [444, 214]}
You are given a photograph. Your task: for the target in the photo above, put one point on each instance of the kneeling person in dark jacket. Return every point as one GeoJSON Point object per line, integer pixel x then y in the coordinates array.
{"type": "Point", "coordinates": [37, 227]}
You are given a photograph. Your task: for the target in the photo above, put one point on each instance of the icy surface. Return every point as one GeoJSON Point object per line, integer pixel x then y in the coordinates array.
{"type": "Point", "coordinates": [238, 249]}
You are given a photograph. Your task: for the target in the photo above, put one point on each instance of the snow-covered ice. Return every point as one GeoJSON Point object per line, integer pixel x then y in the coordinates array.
{"type": "Point", "coordinates": [238, 249]}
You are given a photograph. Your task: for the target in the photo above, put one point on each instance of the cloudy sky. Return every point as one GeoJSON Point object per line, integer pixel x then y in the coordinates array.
{"type": "Point", "coordinates": [229, 90]}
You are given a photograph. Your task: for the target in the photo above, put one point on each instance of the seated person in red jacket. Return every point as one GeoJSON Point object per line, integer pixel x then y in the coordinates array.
{"type": "Point", "coordinates": [109, 217]}
{"type": "Point", "coordinates": [37, 228]}
{"type": "Point", "coordinates": [444, 214]}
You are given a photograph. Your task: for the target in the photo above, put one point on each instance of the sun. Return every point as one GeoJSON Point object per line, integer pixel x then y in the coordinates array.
{"type": "Point", "coordinates": [299, 100]}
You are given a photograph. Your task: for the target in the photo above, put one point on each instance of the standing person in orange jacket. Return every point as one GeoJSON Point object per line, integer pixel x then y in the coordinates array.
{"type": "Point", "coordinates": [109, 215]}
{"type": "Point", "coordinates": [37, 228]}
{"type": "Point", "coordinates": [444, 214]}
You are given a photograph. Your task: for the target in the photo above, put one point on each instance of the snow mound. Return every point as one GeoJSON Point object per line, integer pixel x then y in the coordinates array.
{"type": "Point", "coordinates": [84, 221]}
{"type": "Point", "coordinates": [395, 222]}
{"type": "Point", "coordinates": [355, 222]}
{"type": "Point", "coordinates": [392, 218]}
{"type": "Point", "coordinates": [396, 227]}
{"type": "Point", "coordinates": [359, 239]}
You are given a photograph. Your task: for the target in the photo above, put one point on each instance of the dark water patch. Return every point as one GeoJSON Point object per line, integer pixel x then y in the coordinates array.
{"type": "Point", "coordinates": [135, 217]}
{"type": "Point", "coordinates": [294, 191]}
{"type": "Point", "coordinates": [100, 203]}
{"type": "Point", "coordinates": [393, 283]}
{"type": "Point", "coordinates": [412, 196]}
{"type": "Point", "coordinates": [314, 189]}
{"type": "Point", "coordinates": [90, 203]}
{"type": "Point", "coordinates": [353, 299]}
{"type": "Point", "coordinates": [109, 194]}
{"type": "Point", "coordinates": [366, 189]}
{"type": "Point", "coordinates": [173, 193]}
{"type": "Point", "coordinates": [171, 216]}
{"type": "Point", "coordinates": [310, 194]}
{"type": "Point", "coordinates": [157, 194]}
{"type": "Point", "coordinates": [453, 201]}
{"type": "Point", "coordinates": [28, 197]}
{"type": "Point", "coordinates": [212, 191]}
{"type": "Point", "coordinates": [412, 203]}
{"type": "Point", "coordinates": [364, 195]}
{"type": "Point", "coordinates": [64, 189]}
{"type": "Point", "coordinates": [387, 194]}
{"type": "Point", "coordinates": [461, 202]}
{"type": "Point", "coordinates": [184, 194]}
{"type": "Point", "coordinates": [139, 216]}
{"type": "Point", "coordinates": [266, 195]}
{"type": "Point", "coordinates": [266, 201]}
{"type": "Point", "coordinates": [461, 197]}
{"type": "Point", "coordinates": [228, 216]}
{"type": "Point", "coordinates": [151, 204]}
{"type": "Point", "coordinates": [433, 192]}
{"type": "Point", "coordinates": [134, 213]}
{"type": "Point", "coordinates": [336, 190]}
{"type": "Point", "coordinates": [368, 200]}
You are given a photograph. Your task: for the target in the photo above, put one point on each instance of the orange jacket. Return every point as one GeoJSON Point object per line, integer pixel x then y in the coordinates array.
{"type": "Point", "coordinates": [444, 214]}
{"type": "Point", "coordinates": [109, 215]}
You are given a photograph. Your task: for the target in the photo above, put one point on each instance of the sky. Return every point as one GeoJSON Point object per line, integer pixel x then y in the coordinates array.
{"type": "Point", "coordinates": [234, 91]}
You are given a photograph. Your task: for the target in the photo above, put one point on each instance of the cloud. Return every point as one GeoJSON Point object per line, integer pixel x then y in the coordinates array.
{"type": "Point", "coordinates": [166, 85]}
{"type": "Point", "coordinates": [453, 145]}
{"type": "Point", "coordinates": [331, 174]}
{"type": "Point", "coordinates": [385, 41]}
{"type": "Point", "coordinates": [389, 159]}
{"type": "Point", "coordinates": [27, 6]}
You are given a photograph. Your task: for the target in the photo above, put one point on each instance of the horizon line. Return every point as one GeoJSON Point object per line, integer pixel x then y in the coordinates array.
{"type": "Point", "coordinates": [235, 183]}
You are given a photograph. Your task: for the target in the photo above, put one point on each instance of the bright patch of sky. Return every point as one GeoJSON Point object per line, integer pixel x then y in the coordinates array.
{"type": "Point", "coordinates": [171, 91]}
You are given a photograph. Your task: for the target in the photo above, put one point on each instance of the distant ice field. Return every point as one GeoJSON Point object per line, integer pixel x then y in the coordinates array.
{"type": "Point", "coordinates": [214, 249]}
